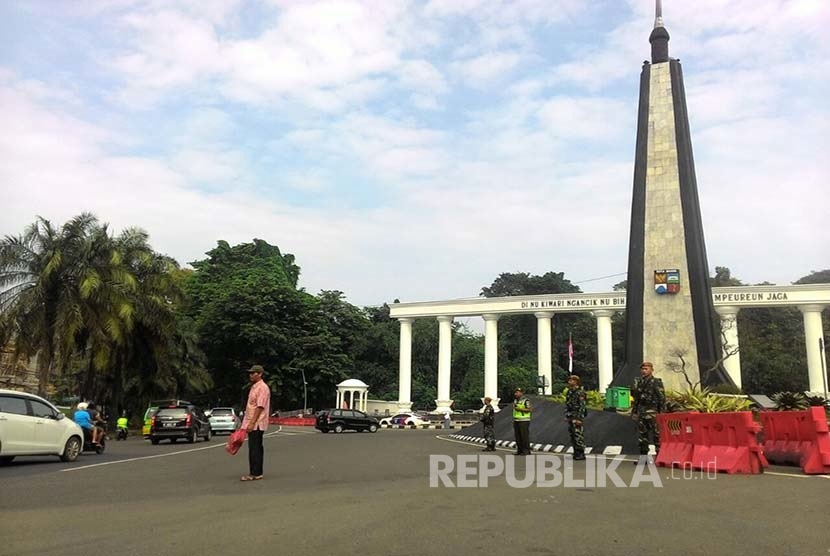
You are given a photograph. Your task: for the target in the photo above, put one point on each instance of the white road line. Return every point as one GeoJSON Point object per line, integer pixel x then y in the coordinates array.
{"type": "Point", "coordinates": [778, 473]}
{"type": "Point", "coordinates": [277, 432]}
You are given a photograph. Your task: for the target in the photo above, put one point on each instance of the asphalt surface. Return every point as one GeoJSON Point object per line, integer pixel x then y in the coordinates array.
{"type": "Point", "coordinates": [370, 494]}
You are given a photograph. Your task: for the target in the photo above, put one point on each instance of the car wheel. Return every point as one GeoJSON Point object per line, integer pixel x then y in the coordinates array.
{"type": "Point", "coordinates": [373, 428]}
{"type": "Point", "coordinates": [192, 437]}
{"type": "Point", "coordinates": [71, 449]}
{"type": "Point", "coordinates": [5, 460]}
{"type": "Point", "coordinates": [154, 441]}
{"type": "Point", "coordinates": [338, 428]}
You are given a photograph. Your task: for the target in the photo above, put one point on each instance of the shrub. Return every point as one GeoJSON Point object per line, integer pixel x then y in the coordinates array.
{"type": "Point", "coordinates": [790, 401]}
{"type": "Point", "coordinates": [725, 389]}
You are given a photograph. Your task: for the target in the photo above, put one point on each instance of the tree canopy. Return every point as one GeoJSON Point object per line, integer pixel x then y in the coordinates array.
{"type": "Point", "coordinates": [111, 319]}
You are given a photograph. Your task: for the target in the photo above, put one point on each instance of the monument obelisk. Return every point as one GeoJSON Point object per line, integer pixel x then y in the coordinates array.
{"type": "Point", "coordinates": [669, 313]}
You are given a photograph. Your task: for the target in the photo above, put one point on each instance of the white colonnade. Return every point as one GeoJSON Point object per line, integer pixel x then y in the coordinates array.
{"type": "Point", "coordinates": [811, 299]}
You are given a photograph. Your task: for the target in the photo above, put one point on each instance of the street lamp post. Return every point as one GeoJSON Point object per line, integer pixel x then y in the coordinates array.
{"type": "Point", "coordinates": [305, 393]}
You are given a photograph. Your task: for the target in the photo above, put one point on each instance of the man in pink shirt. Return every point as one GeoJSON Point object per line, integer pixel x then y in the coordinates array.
{"type": "Point", "coordinates": [256, 421]}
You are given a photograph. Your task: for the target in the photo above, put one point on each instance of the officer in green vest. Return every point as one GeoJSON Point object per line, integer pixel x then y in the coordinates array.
{"type": "Point", "coordinates": [521, 422]}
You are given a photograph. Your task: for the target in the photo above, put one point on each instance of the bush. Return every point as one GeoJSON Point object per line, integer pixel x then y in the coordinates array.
{"type": "Point", "coordinates": [705, 401]}
{"type": "Point", "coordinates": [790, 401]}
{"type": "Point", "coordinates": [725, 389]}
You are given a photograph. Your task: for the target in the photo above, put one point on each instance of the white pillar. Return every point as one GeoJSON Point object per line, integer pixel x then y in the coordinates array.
{"type": "Point", "coordinates": [729, 340]}
{"type": "Point", "coordinates": [544, 324]}
{"type": "Point", "coordinates": [491, 358]}
{"type": "Point", "coordinates": [444, 362]}
{"type": "Point", "coordinates": [337, 402]}
{"type": "Point", "coordinates": [605, 351]}
{"type": "Point", "coordinates": [816, 359]}
{"type": "Point", "coordinates": [405, 366]}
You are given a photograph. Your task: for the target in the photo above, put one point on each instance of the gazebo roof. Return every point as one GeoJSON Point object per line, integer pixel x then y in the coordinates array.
{"type": "Point", "coordinates": [352, 383]}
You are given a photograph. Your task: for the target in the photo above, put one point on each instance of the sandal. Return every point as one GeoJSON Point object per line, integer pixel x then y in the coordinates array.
{"type": "Point", "coordinates": [250, 478]}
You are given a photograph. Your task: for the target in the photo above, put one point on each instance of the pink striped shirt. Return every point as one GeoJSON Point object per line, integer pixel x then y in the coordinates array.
{"type": "Point", "coordinates": [258, 396]}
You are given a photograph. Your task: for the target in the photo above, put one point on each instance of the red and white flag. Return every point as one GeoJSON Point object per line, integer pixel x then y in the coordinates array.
{"type": "Point", "coordinates": [570, 355]}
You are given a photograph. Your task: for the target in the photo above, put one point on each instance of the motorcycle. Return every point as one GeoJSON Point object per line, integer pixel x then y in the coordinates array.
{"type": "Point", "coordinates": [97, 448]}
{"type": "Point", "coordinates": [121, 433]}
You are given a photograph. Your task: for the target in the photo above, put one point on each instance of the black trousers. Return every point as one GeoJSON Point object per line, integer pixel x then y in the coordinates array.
{"type": "Point", "coordinates": [255, 452]}
{"type": "Point", "coordinates": [521, 429]}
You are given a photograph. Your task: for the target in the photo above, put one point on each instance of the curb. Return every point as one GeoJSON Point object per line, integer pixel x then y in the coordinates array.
{"type": "Point", "coordinates": [610, 450]}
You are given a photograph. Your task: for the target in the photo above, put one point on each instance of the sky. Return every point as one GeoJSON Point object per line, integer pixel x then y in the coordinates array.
{"type": "Point", "coordinates": [413, 150]}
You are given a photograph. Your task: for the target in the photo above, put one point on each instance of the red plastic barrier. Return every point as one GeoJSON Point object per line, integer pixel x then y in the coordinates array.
{"type": "Point", "coordinates": [798, 437]}
{"type": "Point", "coordinates": [726, 442]}
{"type": "Point", "coordinates": [293, 421]}
{"type": "Point", "coordinates": [676, 440]}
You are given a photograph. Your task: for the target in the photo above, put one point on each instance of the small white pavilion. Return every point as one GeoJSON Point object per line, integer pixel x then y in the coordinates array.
{"type": "Point", "coordinates": [353, 393]}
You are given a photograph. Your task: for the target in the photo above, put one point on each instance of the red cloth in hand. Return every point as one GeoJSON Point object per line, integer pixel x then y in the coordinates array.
{"type": "Point", "coordinates": [235, 441]}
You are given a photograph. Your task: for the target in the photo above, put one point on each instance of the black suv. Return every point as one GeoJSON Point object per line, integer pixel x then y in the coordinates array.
{"type": "Point", "coordinates": [179, 421]}
{"type": "Point", "coordinates": [338, 420]}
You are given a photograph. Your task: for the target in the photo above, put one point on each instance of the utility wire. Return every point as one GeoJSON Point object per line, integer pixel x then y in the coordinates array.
{"type": "Point", "coordinates": [600, 278]}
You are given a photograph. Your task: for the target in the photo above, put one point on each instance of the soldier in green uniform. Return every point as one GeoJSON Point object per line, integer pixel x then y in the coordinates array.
{"type": "Point", "coordinates": [488, 419]}
{"type": "Point", "coordinates": [576, 410]}
{"type": "Point", "coordinates": [649, 400]}
{"type": "Point", "coordinates": [521, 422]}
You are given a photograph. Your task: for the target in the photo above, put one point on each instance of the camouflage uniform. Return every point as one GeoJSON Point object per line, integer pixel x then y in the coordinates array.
{"type": "Point", "coordinates": [649, 400]}
{"type": "Point", "coordinates": [488, 419]}
{"type": "Point", "coordinates": [576, 409]}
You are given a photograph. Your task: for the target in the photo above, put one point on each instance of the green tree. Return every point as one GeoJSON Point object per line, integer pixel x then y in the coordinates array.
{"type": "Point", "coordinates": [63, 290]}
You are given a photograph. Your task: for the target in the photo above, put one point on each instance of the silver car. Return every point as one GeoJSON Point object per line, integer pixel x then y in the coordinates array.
{"type": "Point", "coordinates": [223, 419]}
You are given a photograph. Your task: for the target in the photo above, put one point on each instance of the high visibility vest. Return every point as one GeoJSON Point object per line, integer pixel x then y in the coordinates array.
{"type": "Point", "coordinates": [121, 423]}
{"type": "Point", "coordinates": [519, 404]}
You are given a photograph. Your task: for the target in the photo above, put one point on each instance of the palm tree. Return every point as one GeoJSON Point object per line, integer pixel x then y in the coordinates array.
{"type": "Point", "coordinates": [61, 290]}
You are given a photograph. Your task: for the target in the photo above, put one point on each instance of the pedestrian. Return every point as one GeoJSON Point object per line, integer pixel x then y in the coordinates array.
{"type": "Point", "coordinates": [522, 409]}
{"type": "Point", "coordinates": [576, 409]}
{"type": "Point", "coordinates": [488, 420]}
{"type": "Point", "coordinates": [256, 421]}
{"type": "Point", "coordinates": [649, 400]}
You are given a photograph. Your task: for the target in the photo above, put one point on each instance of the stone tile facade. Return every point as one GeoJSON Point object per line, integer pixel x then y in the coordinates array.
{"type": "Point", "coordinates": [668, 320]}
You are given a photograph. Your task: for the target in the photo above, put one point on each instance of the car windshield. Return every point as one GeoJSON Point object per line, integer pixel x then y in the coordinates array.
{"type": "Point", "coordinates": [221, 412]}
{"type": "Point", "coordinates": [172, 412]}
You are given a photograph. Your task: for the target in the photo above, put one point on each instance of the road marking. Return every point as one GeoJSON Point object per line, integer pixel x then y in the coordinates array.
{"type": "Point", "coordinates": [154, 456]}
{"type": "Point", "coordinates": [796, 476]}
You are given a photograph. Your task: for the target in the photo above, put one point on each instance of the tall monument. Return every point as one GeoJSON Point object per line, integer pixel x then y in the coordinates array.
{"type": "Point", "coordinates": [669, 312]}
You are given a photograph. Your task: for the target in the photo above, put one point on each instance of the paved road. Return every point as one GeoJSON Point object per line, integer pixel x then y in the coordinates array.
{"type": "Point", "coordinates": [369, 494]}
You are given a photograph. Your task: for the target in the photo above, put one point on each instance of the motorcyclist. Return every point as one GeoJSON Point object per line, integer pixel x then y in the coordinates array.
{"type": "Point", "coordinates": [98, 423]}
{"type": "Point", "coordinates": [121, 425]}
{"type": "Point", "coordinates": [83, 419]}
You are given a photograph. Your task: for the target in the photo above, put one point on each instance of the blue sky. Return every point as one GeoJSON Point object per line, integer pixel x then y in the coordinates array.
{"type": "Point", "coordinates": [413, 150]}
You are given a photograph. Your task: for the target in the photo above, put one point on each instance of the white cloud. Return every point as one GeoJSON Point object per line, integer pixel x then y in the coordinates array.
{"type": "Point", "coordinates": [332, 100]}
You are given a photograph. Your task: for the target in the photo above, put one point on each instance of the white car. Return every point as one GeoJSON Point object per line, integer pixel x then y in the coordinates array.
{"type": "Point", "coordinates": [404, 419]}
{"type": "Point", "coordinates": [31, 426]}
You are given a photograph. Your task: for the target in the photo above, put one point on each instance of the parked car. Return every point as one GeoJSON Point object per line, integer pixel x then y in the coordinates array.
{"type": "Point", "coordinates": [404, 419]}
{"type": "Point", "coordinates": [179, 421]}
{"type": "Point", "coordinates": [223, 419]}
{"type": "Point", "coordinates": [338, 420]}
{"type": "Point", "coordinates": [31, 426]}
